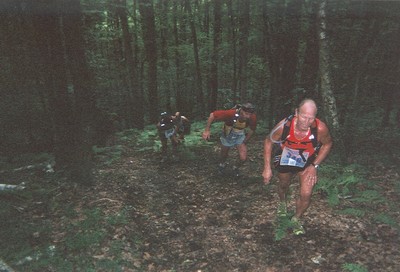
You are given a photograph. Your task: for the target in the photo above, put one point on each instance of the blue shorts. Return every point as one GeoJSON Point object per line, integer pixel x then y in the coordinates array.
{"type": "Point", "coordinates": [232, 139]}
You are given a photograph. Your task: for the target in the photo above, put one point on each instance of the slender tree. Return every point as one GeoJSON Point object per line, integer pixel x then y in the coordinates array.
{"type": "Point", "coordinates": [309, 69]}
{"type": "Point", "coordinates": [244, 25]}
{"type": "Point", "coordinates": [215, 55]}
{"type": "Point", "coordinates": [134, 92]}
{"type": "Point", "coordinates": [180, 102]}
{"type": "Point", "coordinates": [232, 41]}
{"type": "Point", "coordinates": [199, 81]}
{"type": "Point", "coordinates": [150, 47]}
{"type": "Point", "coordinates": [165, 89]}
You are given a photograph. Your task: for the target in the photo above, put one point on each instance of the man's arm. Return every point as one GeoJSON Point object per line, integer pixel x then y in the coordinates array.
{"type": "Point", "coordinates": [268, 145]}
{"type": "Point", "coordinates": [326, 140]}
{"type": "Point", "coordinates": [248, 136]}
{"type": "Point", "coordinates": [206, 133]}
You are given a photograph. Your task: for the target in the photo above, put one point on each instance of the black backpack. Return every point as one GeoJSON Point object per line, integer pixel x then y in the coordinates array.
{"type": "Point", "coordinates": [166, 122]}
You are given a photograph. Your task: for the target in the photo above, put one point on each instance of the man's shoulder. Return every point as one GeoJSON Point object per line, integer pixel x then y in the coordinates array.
{"type": "Point", "coordinates": [223, 113]}
{"type": "Point", "coordinates": [321, 126]}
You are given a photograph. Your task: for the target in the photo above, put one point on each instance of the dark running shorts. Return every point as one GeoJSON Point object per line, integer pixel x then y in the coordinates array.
{"type": "Point", "coordinates": [288, 168]}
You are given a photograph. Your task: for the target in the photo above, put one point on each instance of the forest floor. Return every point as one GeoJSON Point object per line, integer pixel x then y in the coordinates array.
{"type": "Point", "coordinates": [182, 216]}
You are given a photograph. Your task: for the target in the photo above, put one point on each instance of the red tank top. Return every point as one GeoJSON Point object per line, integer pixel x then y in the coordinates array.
{"type": "Point", "coordinates": [304, 145]}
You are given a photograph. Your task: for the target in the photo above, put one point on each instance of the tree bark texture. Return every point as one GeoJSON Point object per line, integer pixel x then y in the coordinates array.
{"type": "Point", "coordinates": [215, 55]}
{"type": "Point", "coordinates": [150, 46]}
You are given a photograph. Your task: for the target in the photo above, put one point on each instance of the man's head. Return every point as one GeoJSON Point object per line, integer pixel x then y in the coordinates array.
{"type": "Point", "coordinates": [306, 113]}
{"type": "Point", "coordinates": [246, 110]}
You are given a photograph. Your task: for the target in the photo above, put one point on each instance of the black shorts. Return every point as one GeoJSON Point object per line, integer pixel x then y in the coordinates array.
{"type": "Point", "coordinates": [288, 168]}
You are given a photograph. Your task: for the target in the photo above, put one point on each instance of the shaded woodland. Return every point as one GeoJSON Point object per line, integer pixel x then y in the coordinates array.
{"type": "Point", "coordinates": [83, 83]}
{"type": "Point", "coordinates": [73, 72]}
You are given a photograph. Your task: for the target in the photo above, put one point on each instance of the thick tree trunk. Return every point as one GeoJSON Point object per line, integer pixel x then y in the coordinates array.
{"type": "Point", "coordinates": [85, 103]}
{"type": "Point", "coordinates": [326, 85]}
{"type": "Point", "coordinates": [329, 101]}
{"type": "Point", "coordinates": [215, 55]}
{"type": "Point", "coordinates": [165, 92]}
{"type": "Point", "coordinates": [244, 25]}
{"type": "Point", "coordinates": [70, 142]}
{"type": "Point", "coordinates": [149, 37]}
{"type": "Point", "coordinates": [282, 45]}
{"type": "Point", "coordinates": [309, 70]}
{"type": "Point", "coordinates": [199, 82]}
{"type": "Point", "coordinates": [134, 93]}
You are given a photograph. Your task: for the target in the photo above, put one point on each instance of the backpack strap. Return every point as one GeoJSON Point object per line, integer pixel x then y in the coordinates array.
{"type": "Point", "coordinates": [314, 132]}
{"type": "Point", "coordinates": [286, 127]}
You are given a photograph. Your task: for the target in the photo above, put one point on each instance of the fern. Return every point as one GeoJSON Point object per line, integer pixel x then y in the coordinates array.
{"type": "Point", "coordinates": [333, 196]}
{"type": "Point", "coordinates": [387, 219]}
{"type": "Point", "coordinates": [369, 196]}
{"type": "Point", "coordinates": [354, 267]}
{"type": "Point", "coordinates": [282, 225]}
{"type": "Point", "coordinates": [353, 211]}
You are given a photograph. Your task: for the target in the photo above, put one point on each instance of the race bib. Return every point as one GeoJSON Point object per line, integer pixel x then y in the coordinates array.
{"type": "Point", "coordinates": [293, 157]}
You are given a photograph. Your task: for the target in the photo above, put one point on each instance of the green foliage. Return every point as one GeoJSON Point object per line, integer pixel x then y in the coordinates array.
{"type": "Point", "coordinates": [118, 219]}
{"type": "Point", "coordinates": [108, 154]}
{"type": "Point", "coordinates": [352, 267]}
{"type": "Point", "coordinates": [282, 225]}
{"type": "Point", "coordinates": [369, 196]}
{"type": "Point", "coordinates": [353, 211]}
{"type": "Point", "coordinates": [148, 139]}
{"type": "Point", "coordinates": [84, 233]}
{"type": "Point", "coordinates": [397, 187]}
{"type": "Point", "coordinates": [387, 219]}
{"type": "Point", "coordinates": [350, 183]}
{"type": "Point", "coordinates": [340, 181]}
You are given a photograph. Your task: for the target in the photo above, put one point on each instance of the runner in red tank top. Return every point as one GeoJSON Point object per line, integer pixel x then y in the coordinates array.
{"type": "Point", "coordinates": [297, 155]}
{"type": "Point", "coordinates": [233, 134]}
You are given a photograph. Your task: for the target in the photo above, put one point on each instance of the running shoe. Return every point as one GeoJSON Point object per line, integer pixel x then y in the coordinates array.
{"type": "Point", "coordinates": [297, 227]}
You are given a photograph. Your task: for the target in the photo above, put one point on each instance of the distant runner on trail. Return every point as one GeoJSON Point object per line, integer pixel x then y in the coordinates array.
{"type": "Point", "coordinates": [182, 124]}
{"type": "Point", "coordinates": [167, 130]}
{"type": "Point", "coordinates": [234, 132]}
{"type": "Point", "coordinates": [302, 142]}
{"type": "Point", "coordinates": [172, 127]}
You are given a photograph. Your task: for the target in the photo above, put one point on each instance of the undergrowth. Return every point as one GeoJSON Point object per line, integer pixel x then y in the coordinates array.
{"type": "Point", "coordinates": [29, 242]}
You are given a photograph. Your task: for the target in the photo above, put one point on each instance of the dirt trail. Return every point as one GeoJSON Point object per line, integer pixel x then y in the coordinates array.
{"type": "Point", "coordinates": [190, 219]}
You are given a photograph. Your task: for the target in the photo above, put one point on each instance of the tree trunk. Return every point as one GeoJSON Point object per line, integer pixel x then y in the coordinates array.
{"type": "Point", "coordinates": [326, 85]}
{"type": "Point", "coordinates": [134, 93]}
{"type": "Point", "coordinates": [199, 82]}
{"type": "Point", "coordinates": [51, 42]}
{"type": "Point", "coordinates": [215, 56]}
{"type": "Point", "coordinates": [244, 25]}
{"type": "Point", "coordinates": [282, 45]}
{"type": "Point", "coordinates": [164, 58]}
{"type": "Point", "coordinates": [82, 81]}
{"type": "Point", "coordinates": [232, 39]}
{"type": "Point", "coordinates": [290, 57]}
{"type": "Point", "coordinates": [329, 101]}
{"type": "Point", "coordinates": [180, 104]}
{"type": "Point", "coordinates": [149, 37]}
{"type": "Point", "coordinates": [309, 70]}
